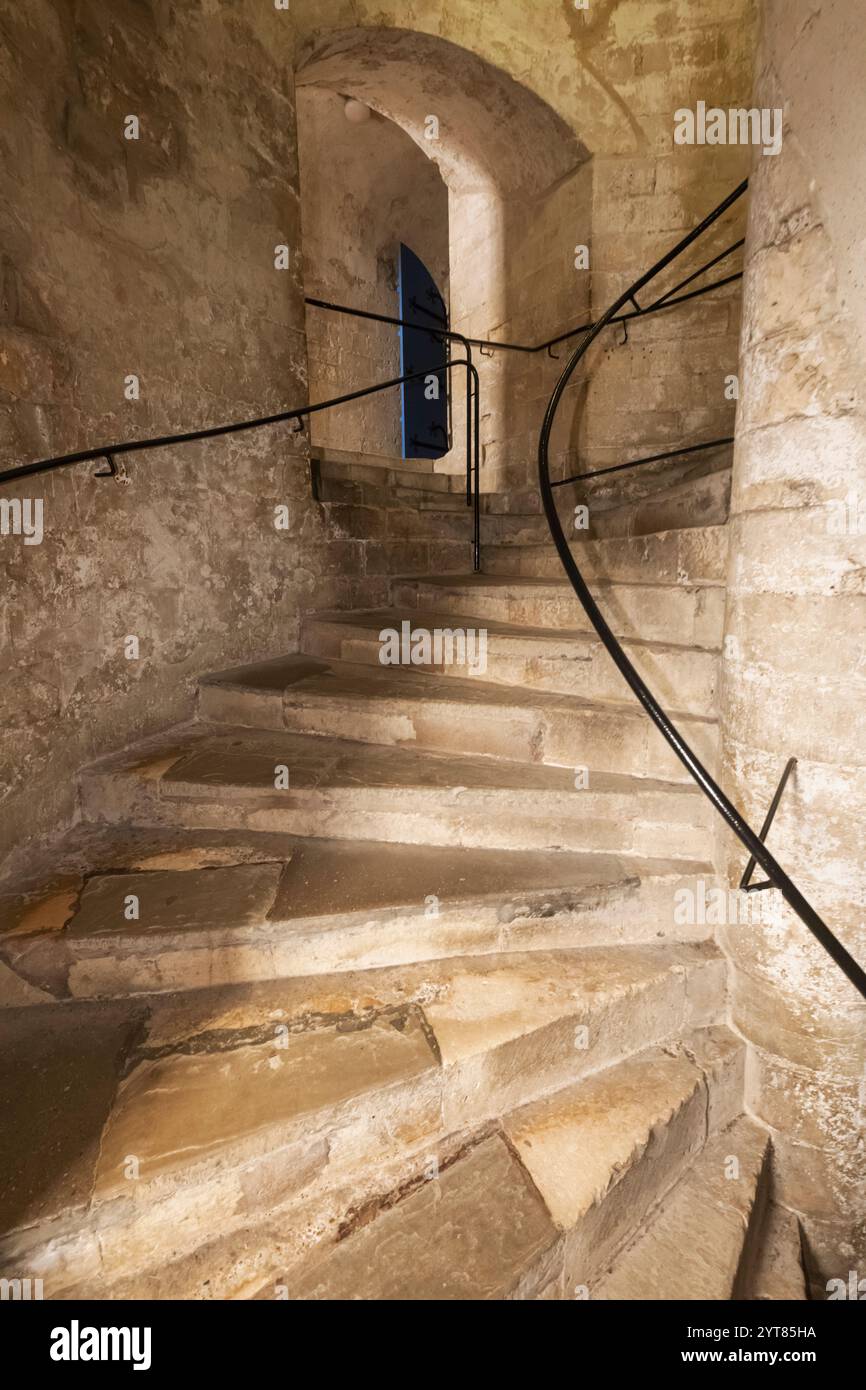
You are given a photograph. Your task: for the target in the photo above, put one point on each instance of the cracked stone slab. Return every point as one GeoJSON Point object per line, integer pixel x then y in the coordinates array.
{"type": "Point", "coordinates": [42, 910]}
{"type": "Point", "coordinates": [561, 981]}
{"type": "Point", "coordinates": [172, 901]}
{"type": "Point", "coordinates": [32, 893]}
{"type": "Point", "coordinates": [473, 1232]}
{"type": "Point", "coordinates": [183, 1107]}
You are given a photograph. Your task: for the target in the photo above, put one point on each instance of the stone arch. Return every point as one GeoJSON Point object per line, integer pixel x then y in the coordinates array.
{"type": "Point", "coordinates": [514, 169]}
{"type": "Point", "coordinates": [493, 130]}
{"type": "Point", "coordinates": [558, 52]}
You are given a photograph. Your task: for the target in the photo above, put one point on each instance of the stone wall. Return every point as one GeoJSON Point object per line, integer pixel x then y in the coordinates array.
{"type": "Point", "coordinates": [154, 258]}
{"type": "Point", "coordinates": [364, 190]}
{"type": "Point", "coordinates": [794, 666]}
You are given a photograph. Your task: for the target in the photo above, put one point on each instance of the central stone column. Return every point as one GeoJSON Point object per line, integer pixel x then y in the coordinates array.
{"type": "Point", "coordinates": [795, 670]}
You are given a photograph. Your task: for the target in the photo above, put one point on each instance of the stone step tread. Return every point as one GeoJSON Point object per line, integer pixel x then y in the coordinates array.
{"type": "Point", "coordinates": [689, 615]}
{"type": "Point", "coordinates": [183, 1080]}
{"type": "Point", "coordinates": [339, 459]}
{"type": "Point", "coordinates": [213, 760]}
{"type": "Point", "coordinates": [218, 906]}
{"type": "Point", "coordinates": [579, 1142]}
{"type": "Point", "coordinates": [203, 880]}
{"type": "Point", "coordinates": [374, 620]}
{"type": "Point", "coordinates": [486, 1224]}
{"type": "Point", "coordinates": [694, 555]}
{"type": "Point", "coordinates": [779, 1273]}
{"type": "Point", "coordinates": [572, 660]}
{"type": "Point", "coordinates": [319, 877]}
{"type": "Point", "coordinates": [470, 1234]}
{"type": "Point", "coordinates": [436, 507]}
{"type": "Point", "coordinates": [529, 584]}
{"type": "Point", "coordinates": [694, 1248]}
{"type": "Point", "coordinates": [296, 677]}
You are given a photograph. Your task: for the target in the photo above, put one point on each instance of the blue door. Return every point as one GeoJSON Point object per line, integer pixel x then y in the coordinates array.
{"type": "Point", "coordinates": [425, 401]}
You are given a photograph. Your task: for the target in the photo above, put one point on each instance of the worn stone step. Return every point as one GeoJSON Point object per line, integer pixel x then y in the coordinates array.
{"type": "Point", "coordinates": [693, 502]}
{"type": "Point", "coordinates": [215, 778]}
{"type": "Point", "coordinates": [565, 662]}
{"type": "Point", "coordinates": [217, 908]}
{"type": "Point", "coordinates": [347, 463]}
{"type": "Point", "coordinates": [702, 1243]}
{"type": "Point", "coordinates": [604, 1152]}
{"type": "Point", "coordinates": [399, 493]}
{"type": "Point", "coordinates": [524, 501]}
{"type": "Point", "coordinates": [599, 1154]}
{"type": "Point", "coordinates": [691, 557]}
{"type": "Point", "coordinates": [207, 1110]}
{"type": "Point", "coordinates": [697, 501]}
{"type": "Point", "coordinates": [778, 1272]}
{"type": "Point", "coordinates": [398, 521]}
{"type": "Point", "coordinates": [515, 528]}
{"type": "Point", "coordinates": [690, 616]}
{"type": "Point", "coordinates": [401, 707]}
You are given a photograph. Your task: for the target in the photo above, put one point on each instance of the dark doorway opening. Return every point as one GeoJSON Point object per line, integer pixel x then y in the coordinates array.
{"type": "Point", "coordinates": [425, 403]}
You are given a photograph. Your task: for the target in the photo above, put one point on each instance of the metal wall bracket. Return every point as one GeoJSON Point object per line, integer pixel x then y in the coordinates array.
{"type": "Point", "coordinates": [746, 884]}
{"type": "Point", "coordinates": [115, 470]}
{"type": "Point", "coordinates": [316, 479]}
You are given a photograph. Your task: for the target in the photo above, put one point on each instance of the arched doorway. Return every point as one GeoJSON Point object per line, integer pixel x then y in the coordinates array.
{"type": "Point", "coordinates": [518, 183]}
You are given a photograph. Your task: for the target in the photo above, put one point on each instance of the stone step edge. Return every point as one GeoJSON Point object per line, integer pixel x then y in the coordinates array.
{"type": "Point", "coordinates": [111, 964]}
{"type": "Point", "coordinates": [707, 1077]}
{"type": "Point", "coordinates": [508, 632]}
{"type": "Point", "coordinates": [529, 702]}
{"type": "Point", "coordinates": [451, 1147]}
{"type": "Point", "coordinates": [740, 1277]}
{"type": "Point", "coordinates": [31, 1242]}
{"type": "Point", "coordinates": [497, 583]}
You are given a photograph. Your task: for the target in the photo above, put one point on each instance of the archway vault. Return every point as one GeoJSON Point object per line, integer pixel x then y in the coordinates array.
{"type": "Point", "coordinates": [493, 132]}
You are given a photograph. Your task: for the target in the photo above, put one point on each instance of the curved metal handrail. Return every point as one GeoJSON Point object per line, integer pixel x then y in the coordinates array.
{"type": "Point", "coordinates": [668, 300]}
{"type": "Point", "coordinates": [301, 412]}
{"type": "Point", "coordinates": [711, 789]}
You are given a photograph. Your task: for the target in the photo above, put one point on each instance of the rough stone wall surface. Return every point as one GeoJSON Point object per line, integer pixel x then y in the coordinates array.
{"type": "Point", "coordinates": [152, 257]}
{"type": "Point", "coordinates": [665, 387]}
{"type": "Point", "coordinates": [612, 76]}
{"type": "Point", "coordinates": [364, 190]}
{"type": "Point", "coordinates": [794, 670]}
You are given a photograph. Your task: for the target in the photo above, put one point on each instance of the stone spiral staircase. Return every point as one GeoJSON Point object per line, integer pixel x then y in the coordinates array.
{"type": "Point", "coordinates": [421, 1024]}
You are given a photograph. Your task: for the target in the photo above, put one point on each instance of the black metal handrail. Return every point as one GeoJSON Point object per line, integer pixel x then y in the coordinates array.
{"type": "Point", "coordinates": [665, 301]}
{"type": "Point", "coordinates": [722, 804]}
{"type": "Point", "coordinates": [650, 458]}
{"type": "Point", "coordinates": [446, 335]}
{"type": "Point", "coordinates": [108, 452]}
{"type": "Point", "coordinates": [488, 346]}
